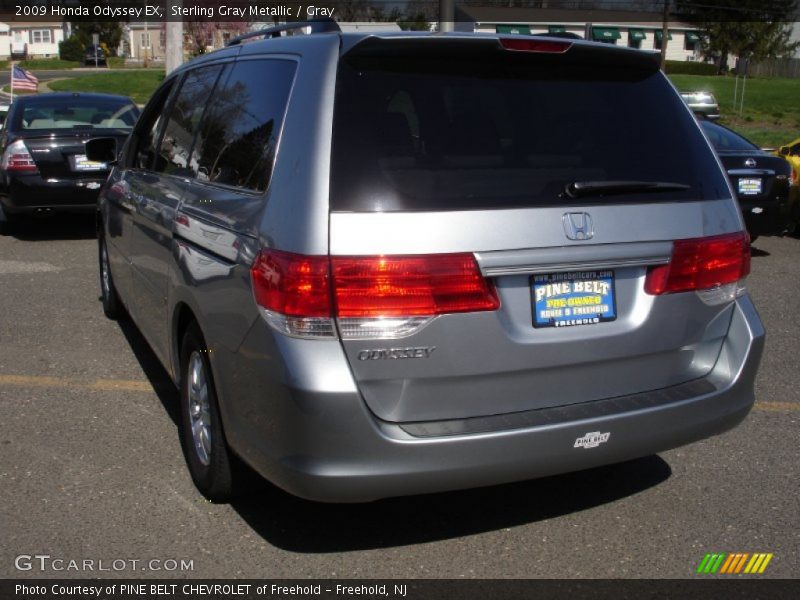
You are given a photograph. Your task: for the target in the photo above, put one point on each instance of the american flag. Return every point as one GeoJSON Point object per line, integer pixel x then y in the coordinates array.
{"type": "Point", "coordinates": [23, 80]}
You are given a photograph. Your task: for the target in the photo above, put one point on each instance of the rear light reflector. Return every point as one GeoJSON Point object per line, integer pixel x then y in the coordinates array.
{"type": "Point", "coordinates": [545, 46]}
{"type": "Point", "coordinates": [702, 264]}
{"type": "Point", "coordinates": [17, 159]}
{"type": "Point", "coordinates": [376, 296]}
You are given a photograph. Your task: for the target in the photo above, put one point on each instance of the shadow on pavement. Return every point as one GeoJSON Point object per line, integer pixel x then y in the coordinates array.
{"type": "Point", "coordinates": [302, 526]}
{"type": "Point", "coordinates": [55, 227]}
{"type": "Point", "coordinates": [156, 374]}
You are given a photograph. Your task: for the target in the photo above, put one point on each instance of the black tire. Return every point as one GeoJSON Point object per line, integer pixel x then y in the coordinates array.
{"type": "Point", "coordinates": [112, 307]}
{"type": "Point", "coordinates": [212, 466]}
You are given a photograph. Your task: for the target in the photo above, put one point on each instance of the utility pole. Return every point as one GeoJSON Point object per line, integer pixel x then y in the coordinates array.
{"type": "Point", "coordinates": [665, 36]}
{"type": "Point", "coordinates": [447, 15]}
{"type": "Point", "coordinates": [174, 50]}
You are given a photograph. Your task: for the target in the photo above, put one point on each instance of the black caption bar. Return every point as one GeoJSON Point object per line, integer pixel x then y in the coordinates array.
{"type": "Point", "coordinates": [466, 11]}
{"type": "Point", "coordinates": [434, 589]}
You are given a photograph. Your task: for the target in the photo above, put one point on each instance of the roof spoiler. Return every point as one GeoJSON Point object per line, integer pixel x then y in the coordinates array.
{"type": "Point", "coordinates": [316, 25]}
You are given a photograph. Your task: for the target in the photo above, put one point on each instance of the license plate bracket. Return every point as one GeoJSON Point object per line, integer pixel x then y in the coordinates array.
{"type": "Point", "coordinates": [573, 298]}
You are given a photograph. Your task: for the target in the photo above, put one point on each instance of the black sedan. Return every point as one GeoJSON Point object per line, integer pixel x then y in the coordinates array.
{"type": "Point", "coordinates": [761, 180]}
{"type": "Point", "coordinates": [94, 56]}
{"type": "Point", "coordinates": [44, 168]}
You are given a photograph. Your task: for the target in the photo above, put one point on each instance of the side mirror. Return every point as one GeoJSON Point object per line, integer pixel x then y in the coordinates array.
{"type": "Point", "coordinates": [102, 150]}
{"type": "Point", "coordinates": [783, 150]}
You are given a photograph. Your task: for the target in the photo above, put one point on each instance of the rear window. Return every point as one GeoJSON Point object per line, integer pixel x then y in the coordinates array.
{"type": "Point", "coordinates": [454, 134]}
{"type": "Point", "coordinates": [77, 113]}
{"type": "Point", "coordinates": [725, 140]}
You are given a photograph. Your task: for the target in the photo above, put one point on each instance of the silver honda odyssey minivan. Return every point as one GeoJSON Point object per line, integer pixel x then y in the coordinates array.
{"type": "Point", "coordinates": [389, 264]}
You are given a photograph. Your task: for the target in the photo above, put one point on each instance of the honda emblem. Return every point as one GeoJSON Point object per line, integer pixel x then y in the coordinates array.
{"type": "Point", "coordinates": [578, 226]}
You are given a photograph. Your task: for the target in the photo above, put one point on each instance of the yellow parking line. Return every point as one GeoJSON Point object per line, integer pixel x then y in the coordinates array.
{"type": "Point", "coordinates": [777, 406]}
{"type": "Point", "coordinates": [128, 385]}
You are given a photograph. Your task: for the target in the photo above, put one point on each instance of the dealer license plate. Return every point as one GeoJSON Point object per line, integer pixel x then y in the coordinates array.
{"type": "Point", "coordinates": [750, 186]}
{"type": "Point", "coordinates": [571, 299]}
{"type": "Point", "coordinates": [81, 163]}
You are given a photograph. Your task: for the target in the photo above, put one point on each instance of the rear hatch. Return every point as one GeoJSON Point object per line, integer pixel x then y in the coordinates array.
{"type": "Point", "coordinates": [62, 155]}
{"type": "Point", "coordinates": [465, 171]}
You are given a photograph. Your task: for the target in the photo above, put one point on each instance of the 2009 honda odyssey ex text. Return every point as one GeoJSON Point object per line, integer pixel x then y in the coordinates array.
{"type": "Point", "coordinates": [380, 265]}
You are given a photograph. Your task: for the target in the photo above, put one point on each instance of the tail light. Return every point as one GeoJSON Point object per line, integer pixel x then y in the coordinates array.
{"type": "Point", "coordinates": [16, 158]}
{"type": "Point", "coordinates": [794, 176]}
{"type": "Point", "coordinates": [713, 266]}
{"type": "Point", "coordinates": [378, 296]}
{"type": "Point", "coordinates": [524, 45]}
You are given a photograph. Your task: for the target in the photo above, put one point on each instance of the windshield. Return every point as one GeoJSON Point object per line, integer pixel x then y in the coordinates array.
{"type": "Point", "coordinates": [77, 113]}
{"type": "Point", "coordinates": [449, 134]}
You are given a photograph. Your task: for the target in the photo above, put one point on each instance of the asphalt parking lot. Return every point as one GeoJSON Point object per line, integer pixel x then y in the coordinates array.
{"type": "Point", "coordinates": [91, 466]}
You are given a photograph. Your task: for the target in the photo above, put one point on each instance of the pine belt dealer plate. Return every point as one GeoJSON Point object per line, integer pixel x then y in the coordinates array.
{"type": "Point", "coordinates": [750, 186]}
{"type": "Point", "coordinates": [571, 299]}
{"type": "Point", "coordinates": [81, 163]}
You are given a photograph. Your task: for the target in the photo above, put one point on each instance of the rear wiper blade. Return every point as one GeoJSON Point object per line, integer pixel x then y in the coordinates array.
{"type": "Point", "coordinates": [580, 189]}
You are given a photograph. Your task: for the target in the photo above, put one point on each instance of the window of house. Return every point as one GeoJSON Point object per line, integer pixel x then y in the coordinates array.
{"type": "Point", "coordinates": [41, 36]}
{"type": "Point", "coordinates": [145, 37]}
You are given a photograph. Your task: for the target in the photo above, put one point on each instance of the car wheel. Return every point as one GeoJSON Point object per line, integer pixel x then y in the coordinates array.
{"type": "Point", "coordinates": [210, 462]}
{"type": "Point", "coordinates": [112, 307]}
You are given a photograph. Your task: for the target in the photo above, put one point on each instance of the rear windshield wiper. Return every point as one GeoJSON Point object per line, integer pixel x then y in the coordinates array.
{"type": "Point", "coordinates": [580, 189]}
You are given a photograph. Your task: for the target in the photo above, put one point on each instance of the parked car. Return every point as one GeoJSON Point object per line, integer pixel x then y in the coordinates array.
{"type": "Point", "coordinates": [760, 180]}
{"type": "Point", "coordinates": [377, 265]}
{"type": "Point", "coordinates": [791, 152]}
{"type": "Point", "coordinates": [702, 103]}
{"type": "Point", "coordinates": [44, 167]}
{"type": "Point", "coordinates": [94, 56]}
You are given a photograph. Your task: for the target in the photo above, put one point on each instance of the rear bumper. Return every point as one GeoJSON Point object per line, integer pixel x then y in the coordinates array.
{"type": "Point", "coordinates": [329, 447]}
{"type": "Point", "coordinates": [31, 193]}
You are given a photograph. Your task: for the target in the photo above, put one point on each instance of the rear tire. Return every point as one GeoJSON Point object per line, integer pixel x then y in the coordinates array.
{"type": "Point", "coordinates": [8, 223]}
{"type": "Point", "coordinates": [211, 464]}
{"type": "Point", "coordinates": [112, 307]}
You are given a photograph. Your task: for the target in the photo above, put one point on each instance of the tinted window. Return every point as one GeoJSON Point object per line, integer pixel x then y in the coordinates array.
{"type": "Point", "coordinates": [724, 140]}
{"type": "Point", "coordinates": [240, 130]}
{"type": "Point", "coordinates": [184, 120]}
{"type": "Point", "coordinates": [77, 112]}
{"type": "Point", "coordinates": [146, 135]}
{"type": "Point", "coordinates": [456, 134]}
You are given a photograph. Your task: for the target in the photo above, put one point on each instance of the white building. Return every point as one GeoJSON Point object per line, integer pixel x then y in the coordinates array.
{"type": "Point", "coordinates": [612, 27]}
{"type": "Point", "coordinates": [30, 40]}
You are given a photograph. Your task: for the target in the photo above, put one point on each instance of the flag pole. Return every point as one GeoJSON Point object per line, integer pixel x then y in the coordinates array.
{"type": "Point", "coordinates": [12, 82]}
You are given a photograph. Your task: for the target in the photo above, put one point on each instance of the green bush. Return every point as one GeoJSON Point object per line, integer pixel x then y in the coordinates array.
{"type": "Point", "coordinates": [71, 49]}
{"type": "Point", "coordinates": [686, 67]}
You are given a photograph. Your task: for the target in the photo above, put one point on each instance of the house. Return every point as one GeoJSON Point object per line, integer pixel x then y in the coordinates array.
{"type": "Point", "coordinates": [30, 39]}
{"type": "Point", "coordinates": [142, 39]}
{"type": "Point", "coordinates": [640, 30]}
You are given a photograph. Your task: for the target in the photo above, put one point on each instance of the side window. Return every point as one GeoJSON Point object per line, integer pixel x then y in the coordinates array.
{"type": "Point", "coordinates": [184, 119]}
{"type": "Point", "coordinates": [145, 136]}
{"type": "Point", "coordinates": [239, 132]}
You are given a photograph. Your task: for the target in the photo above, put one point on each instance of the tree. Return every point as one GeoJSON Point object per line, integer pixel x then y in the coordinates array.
{"type": "Point", "coordinates": [199, 33]}
{"type": "Point", "coordinates": [110, 33]}
{"type": "Point", "coordinates": [752, 29]}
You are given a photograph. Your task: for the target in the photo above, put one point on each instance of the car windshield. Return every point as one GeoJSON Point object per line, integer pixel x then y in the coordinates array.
{"type": "Point", "coordinates": [78, 113]}
{"type": "Point", "coordinates": [725, 140]}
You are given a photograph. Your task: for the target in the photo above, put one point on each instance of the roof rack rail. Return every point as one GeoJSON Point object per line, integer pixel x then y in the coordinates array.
{"type": "Point", "coordinates": [316, 25]}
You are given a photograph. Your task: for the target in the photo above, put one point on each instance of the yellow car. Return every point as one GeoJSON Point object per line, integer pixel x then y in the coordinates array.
{"type": "Point", "coordinates": [791, 152]}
